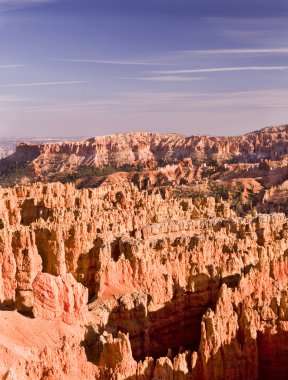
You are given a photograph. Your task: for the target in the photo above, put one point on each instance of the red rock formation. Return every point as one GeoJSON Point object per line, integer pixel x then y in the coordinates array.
{"type": "Point", "coordinates": [46, 161]}
{"type": "Point", "coordinates": [116, 358]}
{"type": "Point", "coordinates": [58, 229]}
{"type": "Point", "coordinates": [59, 298]}
{"type": "Point", "coordinates": [39, 349]}
{"type": "Point", "coordinates": [179, 288]}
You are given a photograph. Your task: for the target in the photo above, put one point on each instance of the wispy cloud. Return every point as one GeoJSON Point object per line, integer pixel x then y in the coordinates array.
{"type": "Point", "coordinates": [222, 69]}
{"type": "Point", "coordinates": [91, 106]}
{"type": "Point", "coordinates": [109, 62]}
{"type": "Point", "coordinates": [279, 50]}
{"type": "Point", "coordinates": [187, 101]}
{"type": "Point", "coordinates": [12, 100]}
{"type": "Point", "coordinates": [35, 84]}
{"type": "Point", "coordinates": [7, 98]}
{"type": "Point", "coordinates": [6, 5]}
{"type": "Point", "coordinates": [165, 78]}
{"type": "Point", "coordinates": [171, 102]}
{"type": "Point", "coordinates": [10, 66]}
{"type": "Point", "coordinates": [174, 57]}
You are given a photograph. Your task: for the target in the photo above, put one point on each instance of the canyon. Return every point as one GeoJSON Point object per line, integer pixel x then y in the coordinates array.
{"type": "Point", "coordinates": [145, 256]}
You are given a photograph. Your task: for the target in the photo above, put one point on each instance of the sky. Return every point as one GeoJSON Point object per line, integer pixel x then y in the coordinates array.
{"type": "Point", "coordinates": [96, 67]}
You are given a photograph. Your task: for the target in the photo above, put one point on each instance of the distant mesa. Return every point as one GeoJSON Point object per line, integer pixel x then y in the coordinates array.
{"type": "Point", "coordinates": [56, 161]}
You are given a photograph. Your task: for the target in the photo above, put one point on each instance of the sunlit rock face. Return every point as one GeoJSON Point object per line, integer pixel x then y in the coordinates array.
{"type": "Point", "coordinates": [95, 234]}
{"type": "Point", "coordinates": [139, 149]}
{"type": "Point", "coordinates": [117, 282]}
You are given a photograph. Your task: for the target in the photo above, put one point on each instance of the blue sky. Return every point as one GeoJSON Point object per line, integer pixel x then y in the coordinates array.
{"type": "Point", "coordinates": [93, 67]}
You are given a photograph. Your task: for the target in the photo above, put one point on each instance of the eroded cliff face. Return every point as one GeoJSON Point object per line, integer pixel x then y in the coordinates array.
{"type": "Point", "coordinates": [122, 283]}
{"type": "Point", "coordinates": [228, 319]}
{"type": "Point", "coordinates": [138, 149]}
{"type": "Point", "coordinates": [91, 233]}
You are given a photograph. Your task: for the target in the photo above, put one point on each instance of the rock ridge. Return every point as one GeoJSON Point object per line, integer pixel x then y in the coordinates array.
{"type": "Point", "coordinates": [144, 149]}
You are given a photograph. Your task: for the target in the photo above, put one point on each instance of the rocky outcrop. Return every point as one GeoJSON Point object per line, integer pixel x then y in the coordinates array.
{"type": "Point", "coordinates": [177, 288]}
{"type": "Point", "coordinates": [41, 349]}
{"type": "Point", "coordinates": [59, 298]}
{"type": "Point", "coordinates": [57, 229]}
{"type": "Point", "coordinates": [144, 149]}
{"type": "Point", "coordinates": [118, 282]}
{"type": "Point", "coordinates": [116, 358]}
{"type": "Point", "coordinates": [198, 165]}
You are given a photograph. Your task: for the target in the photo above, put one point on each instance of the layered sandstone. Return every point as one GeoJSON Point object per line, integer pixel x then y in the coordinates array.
{"type": "Point", "coordinates": [59, 298]}
{"type": "Point", "coordinates": [165, 276]}
{"type": "Point", "coordinates": [41, 349]}
{"type": "Point", "coordinates": [140, 279]}
{"type": "Point", "coordinates": [207, 166]}
{"type": "Point", "coordinates": [47, 161]}
{"type": "Point", "coordinates": [57, 229]}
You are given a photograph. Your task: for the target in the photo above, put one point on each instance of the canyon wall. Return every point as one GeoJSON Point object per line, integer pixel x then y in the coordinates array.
{"type": "Point", "coordinates": [145, 148]}
{"type": "Point", "coordinates": [165, 271]}
{"type": "Point", "coordinates": [154, 287]}
{"type": "Point", "coordinates": [57, 229]}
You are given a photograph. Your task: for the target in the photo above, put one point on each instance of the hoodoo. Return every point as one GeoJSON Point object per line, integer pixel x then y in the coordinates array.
{"type": "Point", "coordinates": [170, 279]}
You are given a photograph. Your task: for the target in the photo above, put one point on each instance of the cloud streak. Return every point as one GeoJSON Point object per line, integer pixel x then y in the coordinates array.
{"type": "Point", "coordinates": [169, 58]}
{"type": "Point", "coordinates": [165, 78]}
{"type": "Point", "coordinates": [169, 101]}
{"type": "Point", "coordinates": [7, 5]}
{"type": "Point", "coordinates": [90, 106]}
{"type": "Point", "coordinates": [109, 62]}
{"type": "Point", "coordinates": [283, 50]}
{"type": "Point", "coordinates": [36, 84]}
{"type": "Point", "coordinates": [10, 66]}
{"type": "Point", "coordinates": [181, 101]}
{"type": "Point", "coordinates": [222, 70]}
{"type": "Point", "coordinates": [7, 98]}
